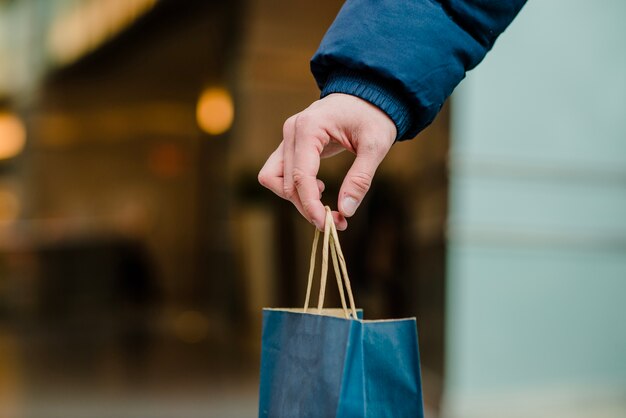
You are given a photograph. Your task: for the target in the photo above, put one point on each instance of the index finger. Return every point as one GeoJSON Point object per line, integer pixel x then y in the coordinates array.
{"type": "Point", "coordinates": [305, 168]}
{"type": "Point", "coordinates": [306, 164]}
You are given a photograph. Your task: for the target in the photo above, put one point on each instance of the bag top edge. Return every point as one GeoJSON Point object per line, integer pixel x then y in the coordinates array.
{"type": "Point", "coordinates": [313, 311]}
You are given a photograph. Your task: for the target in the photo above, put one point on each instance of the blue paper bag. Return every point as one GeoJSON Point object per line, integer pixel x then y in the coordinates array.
{"type": "Point", "coordinates": [326, 363]}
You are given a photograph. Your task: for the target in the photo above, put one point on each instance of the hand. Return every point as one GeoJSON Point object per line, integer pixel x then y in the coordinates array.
{"type": "Point", "coordinates": [327, 127]}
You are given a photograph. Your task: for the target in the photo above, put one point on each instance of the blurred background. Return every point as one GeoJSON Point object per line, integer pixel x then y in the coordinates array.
{"type": "Point", "coordinates": [137, 249]}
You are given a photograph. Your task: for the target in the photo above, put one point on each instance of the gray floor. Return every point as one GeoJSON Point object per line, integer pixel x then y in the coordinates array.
{"type": "Point", "coordinates": [40, 379]}
{"type": "Point", "coordinates": [226, 402]}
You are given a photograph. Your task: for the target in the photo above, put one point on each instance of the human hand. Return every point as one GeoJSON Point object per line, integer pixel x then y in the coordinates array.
{"type": "Point", "coordinates": [326, 128]}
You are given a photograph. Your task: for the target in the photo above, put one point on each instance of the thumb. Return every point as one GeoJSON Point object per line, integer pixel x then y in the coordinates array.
{"type": "Point", "coordinates": [357, 183]}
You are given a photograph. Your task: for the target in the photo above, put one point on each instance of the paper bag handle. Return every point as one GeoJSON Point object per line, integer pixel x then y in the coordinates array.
{"type": "Point", "coordinates": [331, 239]}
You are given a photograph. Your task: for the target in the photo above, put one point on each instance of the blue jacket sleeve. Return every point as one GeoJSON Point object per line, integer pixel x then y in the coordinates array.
{"type": "Point", "coordinates": [407, 56]}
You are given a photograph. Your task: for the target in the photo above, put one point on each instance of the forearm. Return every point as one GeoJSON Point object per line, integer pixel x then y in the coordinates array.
{"type": "Point", "coordinates": [407, 56]}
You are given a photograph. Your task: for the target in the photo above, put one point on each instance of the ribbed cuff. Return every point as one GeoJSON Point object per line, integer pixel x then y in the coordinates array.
{"type": "Point", "coordinates": [376, 93]}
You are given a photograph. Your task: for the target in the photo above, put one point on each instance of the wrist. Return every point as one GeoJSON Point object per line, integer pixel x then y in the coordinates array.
{"type": "Point", "coordinates": [363, 116]}
{"type": "Point", "coordinates": [374, 92]}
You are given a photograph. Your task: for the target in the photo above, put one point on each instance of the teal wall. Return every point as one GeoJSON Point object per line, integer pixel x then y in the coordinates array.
{"type": "Point", "coordinates": [537, 230]}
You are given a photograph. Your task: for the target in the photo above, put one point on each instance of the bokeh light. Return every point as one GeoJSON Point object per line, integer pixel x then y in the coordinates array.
{"type": "Point", "coordinates": [215, 111]}
{"type": "Point", "coordinates": [12, 135]}
{"type": "Point", "coordinates": [87, 25]}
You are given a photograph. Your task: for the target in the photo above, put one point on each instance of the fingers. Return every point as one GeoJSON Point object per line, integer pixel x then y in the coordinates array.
{"type": "Point", "coordinates": [357, 182]}
{"type": "Point", "coordinates": [321, 186]}
{"type": "Point", "coordinates": [289, 144]}
{"type": "Point", "coordinates": [340, 221]}
{"type": "Point", "coordinates": [294, 173]}
{"type": "Point", "coordinates": [308, 146]}
{"type": "Point", "coordinates": [271, 176]}
{"type": "Point", "coordinates": [329, 125]}
{"type": "Point", "coordinates": [306, 190]}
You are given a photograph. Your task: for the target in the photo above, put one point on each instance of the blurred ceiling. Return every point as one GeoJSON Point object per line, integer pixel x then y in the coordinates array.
{"type": "Point", "coordinates": [60, 36]}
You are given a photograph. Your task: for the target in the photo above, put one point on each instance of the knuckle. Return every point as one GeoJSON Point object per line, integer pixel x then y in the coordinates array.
{"type": "Point", "coordinates": [361, 182]}
{"type": "Point", "coordinates": [309, 126]}
{"type": "Point", "coordinates": [263, 178]}
{"type": "Point", "coordinates": [289, 191]}
{"type": "Point", "coordinates": [303, 121]}
{"type": "Point", "coordinates": [298, 177]}
{"type": "Point", "coordinates": [289, 125]}
{"type": "Point", "coordinates": [307, 206]}
{"type": "Point", "coordinates": [375, 149]}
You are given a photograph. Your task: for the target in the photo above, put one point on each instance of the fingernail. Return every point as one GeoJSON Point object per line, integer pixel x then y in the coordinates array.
{"type": "Point", "coordinates": [349, 206]}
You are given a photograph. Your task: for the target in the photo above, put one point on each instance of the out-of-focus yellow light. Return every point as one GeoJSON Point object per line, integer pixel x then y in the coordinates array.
{"type": "Point", "coordinates": [215, 111]}
{"type": "Point", "coordinates": [88, 24]}
{"type": "Point", "coordinates": [12, 135]}
{"type": "Point", "coordinates": [9, 206]}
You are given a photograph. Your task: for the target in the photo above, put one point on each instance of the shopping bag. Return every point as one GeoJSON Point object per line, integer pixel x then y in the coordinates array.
{"type": "Point", "coordinates": [324, 363]}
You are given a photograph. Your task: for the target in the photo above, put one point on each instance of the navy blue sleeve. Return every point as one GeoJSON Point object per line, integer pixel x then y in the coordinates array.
{"type": "Point", "coordinates": [407, 56]}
